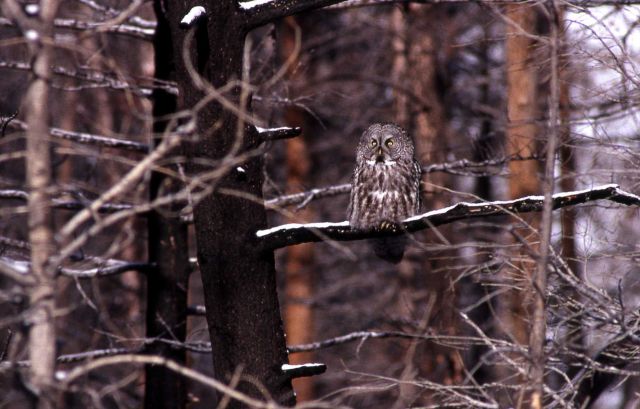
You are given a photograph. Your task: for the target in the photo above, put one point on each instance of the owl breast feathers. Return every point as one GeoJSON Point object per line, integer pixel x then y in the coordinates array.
{"type": "Point", "coordinates": [385, 186]}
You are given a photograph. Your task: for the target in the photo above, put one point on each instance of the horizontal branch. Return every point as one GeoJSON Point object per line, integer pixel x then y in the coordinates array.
{"type": "Point", "coordinates": [304, 198]}
{"type": "Point", "coordinates": [99, 79]}
{"type": "Point", "coordinates": [106, 268]}
{"type": "Point", "coordinates": [463, 167]}
{"type": "Point", "coordinates": [261, 12]}
{"type": "Point", "coordinates": [113, 267]}
{"type": "Point", "coordinates": [65, 204]}
{"type": "Point", "coordinates": [66, 23]}
{"type": "Point", "coordinates": [291, 234]}
{"type": "Point", "coordinates": [272, 134]}
{"type": "Point", "coordinates": [303, 370]}
{"type": "Point", "coordinates": [354, 336]}
{"type": "Point", "coordinates": [82, 137]}
{"type": "Point", "coordinates": [575, 3]}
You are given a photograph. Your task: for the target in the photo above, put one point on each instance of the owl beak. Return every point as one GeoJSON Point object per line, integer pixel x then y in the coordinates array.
{"type": "Point", "coordinates": [379, 155]}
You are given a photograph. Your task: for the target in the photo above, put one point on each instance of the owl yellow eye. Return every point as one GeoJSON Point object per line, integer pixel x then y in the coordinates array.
{"type": "Point", "coordinates": [389, 143]}
{"type": "Point", "coordinates": [374, 143]}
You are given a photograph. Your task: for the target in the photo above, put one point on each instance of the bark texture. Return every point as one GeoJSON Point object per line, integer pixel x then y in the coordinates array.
{"type": "Point", "coordinates": [239, 279]}
{"type": "Point", "coordinates": [42, 334]}
{"type": "Point", "coordinates": [167, 283]}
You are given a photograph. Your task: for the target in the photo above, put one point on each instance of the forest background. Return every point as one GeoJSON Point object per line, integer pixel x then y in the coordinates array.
{"type": "Point", "coordinates": [141, 152]}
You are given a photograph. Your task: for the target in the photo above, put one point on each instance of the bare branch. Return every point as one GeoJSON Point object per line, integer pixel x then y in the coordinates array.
{"type": "Point", "coordinates": [260, 12]}
{"type": "Point", "coordinates": [291, 234]}
{"type": "Point", "coordinates": [67, 23]}
{"type": "Point", "coordinates": [85, 369]}
{"type": "Point", "coordinates": [65, 204]}
{"type": "Point", "coordinates": [354, 336]}
{"type": "Point", "coordinates": [83, 137]}
{"type": "Point", "coordinates": [99, 79]}
{"type": "Point", "coordinates": [459, 167]}
{"type": "Point", "coordinates": [576, 3]}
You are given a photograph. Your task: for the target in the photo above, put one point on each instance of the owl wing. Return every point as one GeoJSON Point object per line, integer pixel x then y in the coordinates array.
{"type": "Point", "coordinates": [354, 181]}
{"type": "Point", "coordinates": [417, 178]}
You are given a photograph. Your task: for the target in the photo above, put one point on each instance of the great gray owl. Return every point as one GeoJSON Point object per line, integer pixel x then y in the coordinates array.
{"type": "Point", "coordinates": [385, 186]}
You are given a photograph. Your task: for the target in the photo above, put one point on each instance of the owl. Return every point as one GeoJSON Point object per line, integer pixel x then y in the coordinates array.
{"type": "Point", "coordinates": [385, 186]}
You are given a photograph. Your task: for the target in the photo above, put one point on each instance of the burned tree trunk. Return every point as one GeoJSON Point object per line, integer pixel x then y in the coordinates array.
{"type": "Point", "coordinates": [167, 283]}
{"type": "Point", "coordinates": [239, 280]}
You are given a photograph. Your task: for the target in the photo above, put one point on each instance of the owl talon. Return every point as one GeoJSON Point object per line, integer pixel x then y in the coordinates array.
{"type": "Point", "coordinates": [386, 225]}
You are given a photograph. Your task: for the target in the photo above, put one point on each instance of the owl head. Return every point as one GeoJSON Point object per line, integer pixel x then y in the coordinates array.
{"type": "Point", "coordinates": [384, 144]}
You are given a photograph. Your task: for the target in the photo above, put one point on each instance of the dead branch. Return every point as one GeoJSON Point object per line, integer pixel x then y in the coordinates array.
{"type": "Point", "coordinates": [80, 371]}
{"type": "Point", "coordinates": [98, 79]}
{"type": "Point", "coordinates": [291, 234]}
{"type": "Point", "coordinates": [143, 33]}
{"type": "Point", "coordinates": [260, 12]}
{"type": "Point", "coordinates": [463, 167]}
{"type": "Point", "coordinates": [82, 137]}
{"type": "Point", "coordinates": [65, 204]}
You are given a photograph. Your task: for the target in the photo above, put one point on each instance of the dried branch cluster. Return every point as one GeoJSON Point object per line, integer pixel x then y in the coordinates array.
{"type": "Point", "coordinates": [106, 165]}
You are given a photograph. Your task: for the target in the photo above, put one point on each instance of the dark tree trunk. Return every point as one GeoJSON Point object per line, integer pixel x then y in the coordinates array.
{"type": "Point", "coordinates": [167, 283]}
{"type": "Point", "coordinates": [239, 280]}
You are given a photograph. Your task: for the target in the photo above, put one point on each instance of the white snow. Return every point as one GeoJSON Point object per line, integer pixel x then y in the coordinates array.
{"type": "Point", "coordinates": [193, 15]}
{"type": "Point", "coordinates": [287, 367]}
{"type": "Point", "coordinates": [508, 202]}
{"type": "Point", "coordinates": [321, 225]}
{"type": "Point", "coordinates": [32, 9]}
{"type": "Point", "coordinates": [240, 169]}
{"type": "Point", "coordinates": [282, 128]}
{"type": "Point", "coordinates": [31, 35]}
{"type": "Point", "coordinates": [60, 375]}
{"type": "Point", "coordinates": [248, 5]}
{"type": "Point", "coordinates": [19, 266]}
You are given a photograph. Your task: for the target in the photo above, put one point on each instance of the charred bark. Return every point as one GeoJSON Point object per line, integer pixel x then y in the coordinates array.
{"type": "Point", "coordinates": [167, 283]}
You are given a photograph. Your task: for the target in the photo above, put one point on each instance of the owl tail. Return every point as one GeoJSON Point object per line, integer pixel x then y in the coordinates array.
{"type": "Point", "coordinates": [390, 249]}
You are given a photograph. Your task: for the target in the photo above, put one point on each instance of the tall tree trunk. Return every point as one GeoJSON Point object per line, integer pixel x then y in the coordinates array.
{"type": "Point", "coordinates": [238, 277]}
{"type": "Point", "coordinates": [167, 284]}
{"type": "Point", "coordinates": [299, 281]}
{"type": "Point", "coordinates": [415, 68]}
{"type": "Point", "coordinates": [42, 334]}
{"type": "Point", "coordinates": [522, 83]}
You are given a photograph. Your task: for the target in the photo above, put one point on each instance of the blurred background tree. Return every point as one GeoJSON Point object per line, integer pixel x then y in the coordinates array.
{"type": "Point", "coordinates": [448, 327]}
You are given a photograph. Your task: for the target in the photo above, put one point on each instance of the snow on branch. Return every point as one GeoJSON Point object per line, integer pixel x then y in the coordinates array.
{"type": "Point", "coordinates": [260, 12]}
{"type": "Point", "coordinates": [272, 134]}
{"type": "Point", "coordinates": [299, 371]}
{"type": "Point", "coordinates": [195, 15]}
{"type": "Point", "coordinates": [291, 234]}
